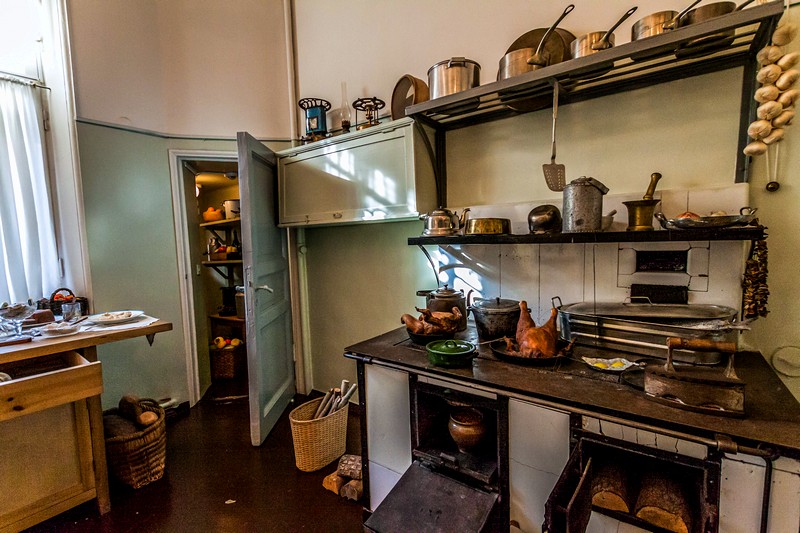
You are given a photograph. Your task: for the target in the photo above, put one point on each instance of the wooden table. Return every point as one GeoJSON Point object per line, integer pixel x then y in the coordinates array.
{"type": "Point", "coordinates": [27, 396]}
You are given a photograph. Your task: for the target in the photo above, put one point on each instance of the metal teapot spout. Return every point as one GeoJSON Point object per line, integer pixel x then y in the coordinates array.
{"type": "Point", "coordinates": [461, 222]}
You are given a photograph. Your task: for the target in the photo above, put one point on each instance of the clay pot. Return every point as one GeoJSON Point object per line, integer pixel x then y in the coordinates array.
{"type": "Point", "coordinates": [467, 428]}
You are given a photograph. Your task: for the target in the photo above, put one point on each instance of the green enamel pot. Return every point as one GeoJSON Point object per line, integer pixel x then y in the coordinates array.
{"type": "Point", "coordinates": [450, 352]}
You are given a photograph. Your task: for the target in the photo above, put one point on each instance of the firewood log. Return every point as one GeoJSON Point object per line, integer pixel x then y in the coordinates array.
{"type": "Point", "coordinates": [353, 490]}
{"type": "Point", "coordinates": [663, 502]}
{"type": "Point", "coordinates": [334, 482]}
{"type": "Point", "coordinates": [612, 487]}
{"type": "Point", "coordinates": [350, 466]}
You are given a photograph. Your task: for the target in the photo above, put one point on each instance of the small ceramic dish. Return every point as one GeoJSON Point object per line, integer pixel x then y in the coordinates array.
{"type": "Point", "coordinates": [617, 364]}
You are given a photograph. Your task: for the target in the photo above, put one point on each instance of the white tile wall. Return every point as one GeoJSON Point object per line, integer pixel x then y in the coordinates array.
{"type": "Point", "coordinates": [597, 272]}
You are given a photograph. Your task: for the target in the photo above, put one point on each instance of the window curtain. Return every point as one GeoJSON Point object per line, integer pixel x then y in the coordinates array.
{"type": "Point", "coordinates": [27, 233]}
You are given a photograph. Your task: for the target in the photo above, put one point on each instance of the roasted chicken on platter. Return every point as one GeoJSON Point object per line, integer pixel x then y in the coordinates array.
{"type": "Point", "coordinates": [432, 322]}
{"type": "Point", "coordinates": [532, 341]}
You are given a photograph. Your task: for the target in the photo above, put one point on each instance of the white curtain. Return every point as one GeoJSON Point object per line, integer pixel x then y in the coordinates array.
{"type": "Point", "coordinates": [28, 253]}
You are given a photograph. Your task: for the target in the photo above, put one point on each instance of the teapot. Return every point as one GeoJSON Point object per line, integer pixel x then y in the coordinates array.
{"type": "Point", "coordinates": [444, 299]}
{"type": "Point", "coordinates": [442, 221]}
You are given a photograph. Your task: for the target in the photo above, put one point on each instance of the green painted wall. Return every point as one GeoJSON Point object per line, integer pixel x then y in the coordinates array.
{"type": "Point", "coordinates": [132, 254]}
{"type": "Point", "coordinates": [361, 279]}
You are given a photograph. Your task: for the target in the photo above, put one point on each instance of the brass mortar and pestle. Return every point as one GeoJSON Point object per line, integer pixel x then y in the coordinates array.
{"type": "Point", "coordinates": [640, 212]}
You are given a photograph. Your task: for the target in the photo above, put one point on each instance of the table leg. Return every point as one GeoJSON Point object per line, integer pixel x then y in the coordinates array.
{"type": "Point", "coordinates": [98, 443]}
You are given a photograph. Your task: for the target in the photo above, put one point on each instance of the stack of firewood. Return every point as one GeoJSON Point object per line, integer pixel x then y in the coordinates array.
{"type": "Point", "coordinates": [346, 480]}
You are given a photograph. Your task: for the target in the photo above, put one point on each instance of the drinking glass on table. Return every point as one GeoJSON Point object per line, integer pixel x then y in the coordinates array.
{"type": "Point", "coordinates": [71, 311]}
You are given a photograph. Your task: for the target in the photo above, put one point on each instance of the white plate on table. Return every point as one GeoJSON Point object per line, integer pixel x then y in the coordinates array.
{"type": "Point", "coordinates": [114, 317]}
{"type": "Point", "coordinates": [59, 330]}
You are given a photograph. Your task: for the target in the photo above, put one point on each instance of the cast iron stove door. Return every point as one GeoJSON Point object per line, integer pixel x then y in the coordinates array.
{"type": "Point", "coordinates": [425, 501]}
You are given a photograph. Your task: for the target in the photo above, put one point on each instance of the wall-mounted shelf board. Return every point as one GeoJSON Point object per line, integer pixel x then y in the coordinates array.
{"type": "Point", "coordinates": [753, 233]}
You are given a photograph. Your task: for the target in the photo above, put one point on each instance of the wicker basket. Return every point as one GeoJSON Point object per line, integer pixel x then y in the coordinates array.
{"type": "Point", "coordinates": [227, 363]}
{"type": "Point", "coordinates": [139, 458]}
{"type": "Point", "coordinates": [318, 442]}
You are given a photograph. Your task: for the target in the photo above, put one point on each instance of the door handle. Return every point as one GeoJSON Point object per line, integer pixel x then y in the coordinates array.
{"type": "Point", "coordinates": [264, 288]}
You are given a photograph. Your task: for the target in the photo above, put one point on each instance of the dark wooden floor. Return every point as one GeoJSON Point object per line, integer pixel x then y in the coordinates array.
{"type": "Point", "coordinates": [216, 481]}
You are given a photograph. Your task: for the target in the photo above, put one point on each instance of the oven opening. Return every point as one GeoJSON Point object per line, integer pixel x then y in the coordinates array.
{"type": "Point", "coordinates": [652, 489]}
{"type": "Point", "coordinates": [662, 260]}
{"type": "Point", "coordinates": [457, 433]}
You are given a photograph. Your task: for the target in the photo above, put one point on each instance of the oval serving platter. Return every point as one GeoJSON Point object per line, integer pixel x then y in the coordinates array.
{"type": "Point", "coordinates": [615, 365]}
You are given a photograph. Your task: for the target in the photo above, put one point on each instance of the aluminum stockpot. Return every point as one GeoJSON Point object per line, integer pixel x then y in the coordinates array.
{"type": "Point", "coordinates": [452, 76]}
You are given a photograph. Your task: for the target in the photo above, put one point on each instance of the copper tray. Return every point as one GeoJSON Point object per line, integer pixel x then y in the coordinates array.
{"type": "Point", "coordinates": [746, 216]}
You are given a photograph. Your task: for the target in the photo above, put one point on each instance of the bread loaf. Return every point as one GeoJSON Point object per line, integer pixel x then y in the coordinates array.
{"type": "Point", "coordinates": [755, 148]}
{"type": "Point", "coordinates": [759, 129]}
{"type": "Point", "coordinates": [769, 55]}
{"type": "Point", "coordinates": [784, 34]}
{"type": "Point", "coordinates": [775, 136]}
{"type": "Point", "coordinates": [767, 93]}
{"type": "Point", "coordinates": [769, 110]}
{"type": "Point", "coordinates": [783, 119]}
{"type": "Point", "coordinates": [788, 98]}
{"type": "Point", "coordinates": [769, 74]}
{"type": "Point", "coordinates": [788, 61]}
{"type": "Point", "coordinates": [787, 79]}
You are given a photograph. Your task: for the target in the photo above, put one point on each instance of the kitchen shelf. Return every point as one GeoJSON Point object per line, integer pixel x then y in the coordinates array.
{"type": "Point", "coordinates": [226, 223]}
{"type": "Point", "coordinates": [233, 319]}
{"type": "Point", "coordinates": [227, 262]}
{"type": "Point", "coordinates": [651, 61]}
{"type": "Point", "coordinates": [628, 66]}
{"type": "Point", "coordinates": [750, 233]}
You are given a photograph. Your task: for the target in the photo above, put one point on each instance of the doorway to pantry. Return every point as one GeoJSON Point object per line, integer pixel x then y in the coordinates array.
{"type": "Point", "coordinates": [208, 231]}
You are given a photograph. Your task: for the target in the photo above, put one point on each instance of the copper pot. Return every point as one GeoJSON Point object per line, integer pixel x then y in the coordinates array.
{"type": "Point", "coordinates": [467, 427]}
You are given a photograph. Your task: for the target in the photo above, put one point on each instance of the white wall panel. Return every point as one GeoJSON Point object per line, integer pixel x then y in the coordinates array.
{"type": "Point", "coordinates": [183, 67]}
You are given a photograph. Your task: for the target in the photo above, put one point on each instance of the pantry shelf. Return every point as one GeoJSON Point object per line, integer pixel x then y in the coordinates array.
{"type": "Point", "coordinates": [753, 233]}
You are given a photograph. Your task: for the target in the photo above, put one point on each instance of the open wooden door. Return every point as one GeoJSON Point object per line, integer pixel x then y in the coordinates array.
{"type": "Point", "coordinates": [270, 365]}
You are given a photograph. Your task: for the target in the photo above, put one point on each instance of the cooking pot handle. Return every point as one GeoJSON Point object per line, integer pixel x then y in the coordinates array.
{"type": "Point", "coordinates": [748, 211]}
{"type": "Point", "coordinates": [675, 22]}
{"type": "Point", "coordinates": [701, 345]}
{"type": "Point", "coordinates": [553, 302]}
{"type": "Point", "coordinates": [461, 61]}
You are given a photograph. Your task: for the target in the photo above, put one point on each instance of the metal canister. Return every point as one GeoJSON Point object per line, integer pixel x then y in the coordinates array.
{"type": "Point", "coordinates": [583, 205]}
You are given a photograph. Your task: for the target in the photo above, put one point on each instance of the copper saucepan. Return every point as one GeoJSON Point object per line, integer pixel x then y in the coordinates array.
{"type": "Point", "coordinates": [658, 23]}
{"type": "Point", "coordinates": [526, 59]}
{"type": "Point", "coordinates": [597, 40]}
{"type": "Point", "coordinates": [709, 42]}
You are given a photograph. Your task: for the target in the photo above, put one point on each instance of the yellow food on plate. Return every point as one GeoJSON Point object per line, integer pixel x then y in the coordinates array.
{"type": "Point", "coordinates": [617, 364]}
{"type": "Point", "coordinates": [598, 364]}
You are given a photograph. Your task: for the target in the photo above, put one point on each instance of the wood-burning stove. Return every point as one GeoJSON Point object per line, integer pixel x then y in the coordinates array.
{"type": "Point", "coordinates": [650, 488]}
{"type": "Point", "coordinates": [450, 486]}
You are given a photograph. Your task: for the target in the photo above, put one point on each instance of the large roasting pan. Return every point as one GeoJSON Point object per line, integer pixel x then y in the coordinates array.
{"type": "Point", "coordinates": [643, 329]}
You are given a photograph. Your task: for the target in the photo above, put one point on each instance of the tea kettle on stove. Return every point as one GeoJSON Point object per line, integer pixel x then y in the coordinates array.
{"type": "Point", "coordinates": [442, 221]}
{"type": "Point", "coordinates": [444, 299]}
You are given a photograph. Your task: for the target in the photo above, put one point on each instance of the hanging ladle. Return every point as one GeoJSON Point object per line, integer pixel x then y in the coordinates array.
{"type": "Point", "coordinates": [537, 59]}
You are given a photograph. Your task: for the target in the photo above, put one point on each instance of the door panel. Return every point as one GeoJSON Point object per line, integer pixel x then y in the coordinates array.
{"type": "Point", "coordinates": [270, 364]}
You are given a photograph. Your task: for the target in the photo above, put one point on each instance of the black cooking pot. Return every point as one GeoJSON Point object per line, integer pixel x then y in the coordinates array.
{"type": "Point", "coordinates": [495, 317]}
